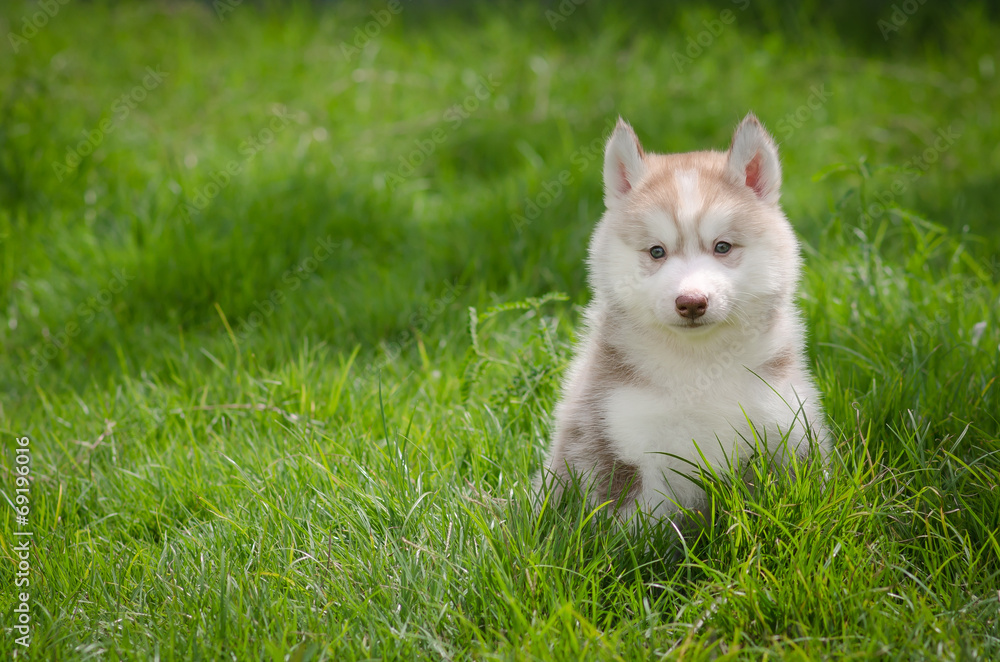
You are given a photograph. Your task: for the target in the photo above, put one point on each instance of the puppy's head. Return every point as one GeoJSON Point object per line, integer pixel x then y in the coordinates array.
{"type": "Point", "coordinates": [697, 241]}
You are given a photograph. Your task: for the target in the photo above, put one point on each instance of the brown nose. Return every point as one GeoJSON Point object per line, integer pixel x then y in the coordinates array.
{"type": "Point", "coordinates": [691, 306]}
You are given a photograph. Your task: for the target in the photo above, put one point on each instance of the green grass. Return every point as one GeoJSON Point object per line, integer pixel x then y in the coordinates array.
{"type": "Point", "coordinates": [261, 429]}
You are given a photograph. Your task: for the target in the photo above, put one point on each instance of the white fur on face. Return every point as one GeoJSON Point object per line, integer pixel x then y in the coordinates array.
{"type": "Point", "coordinates": [689, 198]}
{"type": "Point", "coordinates": [751, 273]}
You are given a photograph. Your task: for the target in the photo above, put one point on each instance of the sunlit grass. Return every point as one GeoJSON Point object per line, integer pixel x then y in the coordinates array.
{"type": "Point", "coordinates": [266, 424]}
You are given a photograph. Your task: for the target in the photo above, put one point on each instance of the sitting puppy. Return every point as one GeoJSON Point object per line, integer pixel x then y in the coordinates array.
{"type": "Point", "coordinates": [694, 349]}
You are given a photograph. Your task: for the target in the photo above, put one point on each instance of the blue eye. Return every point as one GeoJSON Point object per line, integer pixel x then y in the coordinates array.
{"type": "Point", "coordinates": [723, 247]}
{"type": "Point", "coordinates": [657, 252]}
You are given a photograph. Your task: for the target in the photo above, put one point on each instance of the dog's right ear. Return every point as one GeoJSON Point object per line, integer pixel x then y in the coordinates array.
{"type": "Point", "coordinates": [623, 164]}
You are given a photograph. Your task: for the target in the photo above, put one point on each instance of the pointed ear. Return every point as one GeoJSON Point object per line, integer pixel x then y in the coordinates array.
{"type": "Point", "coordinates": [753, 160]}
{"type": "Point", "coordinates": [623, 164]}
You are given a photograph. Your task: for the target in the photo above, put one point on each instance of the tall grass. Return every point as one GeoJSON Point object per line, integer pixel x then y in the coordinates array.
{"type": "Point", "coordinates": [291, 408]}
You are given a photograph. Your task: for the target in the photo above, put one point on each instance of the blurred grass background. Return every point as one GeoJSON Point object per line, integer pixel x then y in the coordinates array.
{"type": "Point", "coordinates": [241, 232]}
{"type": "Point", "coordinates": [356, 118]}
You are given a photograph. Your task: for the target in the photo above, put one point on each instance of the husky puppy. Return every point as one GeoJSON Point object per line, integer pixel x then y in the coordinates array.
{"type": "Point", "coordinates": [694, 349]}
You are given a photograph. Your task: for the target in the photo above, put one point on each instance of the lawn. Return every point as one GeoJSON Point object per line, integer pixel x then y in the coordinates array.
{"type": "Point", "coordinates": [288, 291]}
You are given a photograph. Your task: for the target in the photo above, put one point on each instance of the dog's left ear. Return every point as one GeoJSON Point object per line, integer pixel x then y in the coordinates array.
{"type": "Point", "coordinates": [753, 160]}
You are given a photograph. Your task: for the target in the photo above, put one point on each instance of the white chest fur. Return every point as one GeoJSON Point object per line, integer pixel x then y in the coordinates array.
{"type": "Point", "coordinates": [667, 432]}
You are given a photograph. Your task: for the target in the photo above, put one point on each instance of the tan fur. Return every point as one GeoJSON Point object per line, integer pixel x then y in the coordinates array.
{"type": "Point", "coordinates": [659, 187]}
{"type": "Point", "coordinates": [780, 365]}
